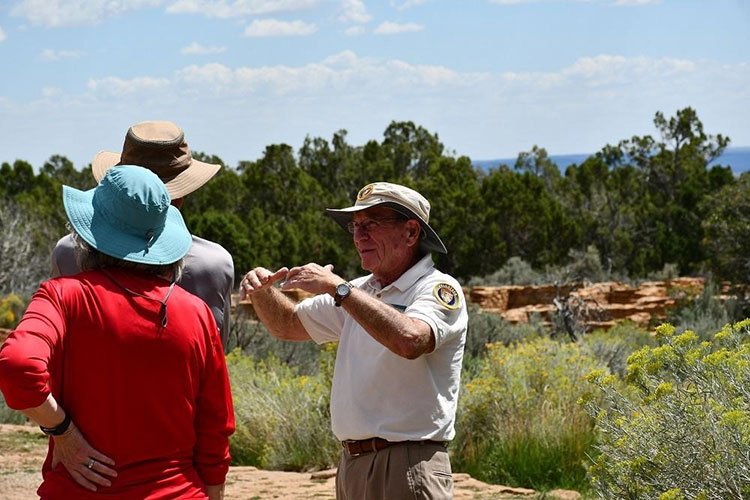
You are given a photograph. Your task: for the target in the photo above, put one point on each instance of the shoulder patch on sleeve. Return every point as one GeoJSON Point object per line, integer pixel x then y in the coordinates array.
{"type": "Point", "coordinates": [447, 295]}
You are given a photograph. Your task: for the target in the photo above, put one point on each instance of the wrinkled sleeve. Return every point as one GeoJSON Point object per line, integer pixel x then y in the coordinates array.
{"type": "Point", "coordinates": [321, 319]}
{"type": "Point", "coordinates": [214, 420]}
{"type": "Point", "coordinates": [26, 354]}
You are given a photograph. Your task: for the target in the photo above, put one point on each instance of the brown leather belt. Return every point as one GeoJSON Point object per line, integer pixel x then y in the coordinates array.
{"type": "Point", "coordinates": [356, 448]}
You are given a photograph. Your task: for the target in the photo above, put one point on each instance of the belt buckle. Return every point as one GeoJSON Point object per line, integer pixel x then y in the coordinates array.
{"type": "Point", "coordinates": [349, 442]}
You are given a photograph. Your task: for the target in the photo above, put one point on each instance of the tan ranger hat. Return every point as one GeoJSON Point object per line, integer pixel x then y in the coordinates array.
{"type": "Point", "coordinates": [402, 199]}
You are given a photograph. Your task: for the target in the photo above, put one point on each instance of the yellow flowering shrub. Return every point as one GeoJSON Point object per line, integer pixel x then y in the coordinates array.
{"type": "Point", "coordinates": [11, 309]}
{"type": "Point", "coordinates": [282, 417]}
{"type": "Point", "coordinates": [518, 420]}
{"type": "Point", "coordinates": [681, 426]}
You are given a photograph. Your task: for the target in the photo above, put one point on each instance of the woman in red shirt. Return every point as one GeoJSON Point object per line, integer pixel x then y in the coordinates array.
{"type": "Point", "coordinates": [123, 369]}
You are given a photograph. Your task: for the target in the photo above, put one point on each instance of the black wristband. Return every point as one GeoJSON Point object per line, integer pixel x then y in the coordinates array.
{"type": "Point", "coordinates": [58, 429]}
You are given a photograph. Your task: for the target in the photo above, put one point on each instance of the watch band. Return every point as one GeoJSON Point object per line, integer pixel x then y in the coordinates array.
{"type": "Point", "coordinates": [342, 291]}
{"type": "Point", "coordinates": [59, 429]}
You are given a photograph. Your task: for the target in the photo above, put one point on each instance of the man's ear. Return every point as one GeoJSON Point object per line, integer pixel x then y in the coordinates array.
{"type": "Point", "coordinates": [414, 230]}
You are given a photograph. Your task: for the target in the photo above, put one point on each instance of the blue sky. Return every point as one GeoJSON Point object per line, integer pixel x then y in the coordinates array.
{"type": "Point", "coordinates": [491, 77]}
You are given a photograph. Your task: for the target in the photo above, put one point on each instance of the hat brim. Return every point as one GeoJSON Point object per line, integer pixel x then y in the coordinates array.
{"type": "Point", "coordinates": [167, 247]}
{"type": "Point", "coordinates": [431, 242]}
{"type": "Point", "coordinates": [189, 180]}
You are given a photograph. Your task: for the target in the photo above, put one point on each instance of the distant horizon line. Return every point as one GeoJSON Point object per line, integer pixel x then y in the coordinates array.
{"type": "Point", "coordinates": [562, 155]}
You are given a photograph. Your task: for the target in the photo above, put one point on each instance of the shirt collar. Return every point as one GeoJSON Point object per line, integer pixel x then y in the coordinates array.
{"type": "Point", "coordinates": [406, 280]}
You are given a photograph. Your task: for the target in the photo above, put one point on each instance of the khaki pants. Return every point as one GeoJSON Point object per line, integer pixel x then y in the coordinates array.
{"type": "Point", "coordinates": [412, 470]}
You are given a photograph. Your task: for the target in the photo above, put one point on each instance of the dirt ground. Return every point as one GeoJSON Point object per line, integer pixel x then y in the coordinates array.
{"type": "Point", "coordinates": [22, 451]}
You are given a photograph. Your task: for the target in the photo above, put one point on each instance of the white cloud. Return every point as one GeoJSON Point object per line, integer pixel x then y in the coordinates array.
{"type": "Point", "coordinates": [636, 2]}
{"type": "Point", "coordinates": [2, 35]}
{"type": "Point", "coordinates": [343, 73]}
{"type": "Point", "coordinates": [581, 107]}
{"type": "Point", "coordinates": [118, 87]}
{"type": "Point", "coordinates": [59, 13]}
{"type": "Point", "coordinates": [354, 11]}
{"type": "Point", "coordinates": [354, 30]}
{"type": "Point", "coordinates": [237, 8]}
{"type": "Point", "coordinates": [349, 73]}
{"type": "Point", "coordinates": [389, 28]}
{"type": "Point", "coordinates": [606, 70]}
{"type": "Point", "coordinates": [274, 27]}
{"type": "Point", "coordinates": [603, 75]}
{"type": "Point", "coordinates": [611, 2]}
{"type": "Point", "coordinates": [407, 4]}
{"type": "Point", "coordinates": [516, 2]}
{"type": "Point", "coordinates": [58, 55]}
{"type": "Point", "coordinates": [214, 74]}
{"type": "Point", "coordinates": [49, 92]}
{"type": "Point", "coordinates": [196, 48]}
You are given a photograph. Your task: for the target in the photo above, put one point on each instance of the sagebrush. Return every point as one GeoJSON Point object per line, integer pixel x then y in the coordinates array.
{"type": "Point", "coordinates": [678, 425]}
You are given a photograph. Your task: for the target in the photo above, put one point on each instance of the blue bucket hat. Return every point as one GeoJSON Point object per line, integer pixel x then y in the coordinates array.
{"type": "Point", "coordinates": [128, 216]}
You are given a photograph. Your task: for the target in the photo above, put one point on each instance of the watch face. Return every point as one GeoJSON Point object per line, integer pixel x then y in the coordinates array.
{"type": "Point", "coordinates": [342, 289]}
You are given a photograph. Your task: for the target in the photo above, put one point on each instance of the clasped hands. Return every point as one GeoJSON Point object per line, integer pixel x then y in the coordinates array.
{"type": "Point", "coordinates": [312, 278]}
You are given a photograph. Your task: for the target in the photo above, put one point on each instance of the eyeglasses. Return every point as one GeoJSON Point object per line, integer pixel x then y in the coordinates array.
{"type": "Point", "coordinates": [366, 226]}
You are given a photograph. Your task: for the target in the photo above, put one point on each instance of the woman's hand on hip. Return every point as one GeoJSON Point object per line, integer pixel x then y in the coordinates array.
{"type": "Point", "coordinates": [87, 466]}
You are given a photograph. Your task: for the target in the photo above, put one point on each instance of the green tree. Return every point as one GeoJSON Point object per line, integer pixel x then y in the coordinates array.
{"type": "Point", "coordinates": [410, 148]}
{"type": "Point", "coordinates": [523, 219]}
{"type": "Point", "coordinates": [295, 201]}
{"type": "Point", "coordinates": [639, 202]}
{"type": "Point", "coordinates": [601, 197]}
{"type": "Point", "coordinates": [677, 179]}
{"type": "Point", "coordinates": [453, 188]}
{"type": "Point", "coordinates": [229, 231]}
{"type": "Point", "coordinates": [62, 170]}
{"type": "Point", "coordinates": [727, 231]}
{"type": "Point", "coordinates": [538, 163]}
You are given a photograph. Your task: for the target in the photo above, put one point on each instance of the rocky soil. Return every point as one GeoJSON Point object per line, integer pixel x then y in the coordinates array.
{"type": "Point", "coordinates": [22, 451]}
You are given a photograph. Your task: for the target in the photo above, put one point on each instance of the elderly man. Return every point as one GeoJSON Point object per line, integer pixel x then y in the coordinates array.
{"type": "Point", "coordinates": [160, 147]}
{"type": "Point", "coordinates": [401, 333]}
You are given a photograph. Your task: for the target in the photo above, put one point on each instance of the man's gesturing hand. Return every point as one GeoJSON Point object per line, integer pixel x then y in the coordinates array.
{"type": "Point", "coordinates": [312, 278]}
{"type": "Point", "coordinates": [260, 278]}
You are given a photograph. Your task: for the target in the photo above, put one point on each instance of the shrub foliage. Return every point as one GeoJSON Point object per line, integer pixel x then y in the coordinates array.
{"type": "Point", "coordinates": [282, 418]}
{"type": "Point", "coordinates": [679, 425]}
{"type": "Point", "coordinates": [519, 422]}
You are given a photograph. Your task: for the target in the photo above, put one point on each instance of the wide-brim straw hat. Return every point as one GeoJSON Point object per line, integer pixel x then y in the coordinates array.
{"type": "Point", "coordinates": [129, 216]}
{"type": "Point", "coordinates": [160, 147]}
{"type": "Point", "coordinates": [400, 198]}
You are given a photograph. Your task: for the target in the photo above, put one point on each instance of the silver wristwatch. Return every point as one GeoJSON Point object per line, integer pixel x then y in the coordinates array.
{"type": "Point", "coordinates": [342, 291]}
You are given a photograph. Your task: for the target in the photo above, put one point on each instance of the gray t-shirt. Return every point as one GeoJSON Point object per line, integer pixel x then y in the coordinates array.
{"type": "Point", "coordinates": [208, 274]}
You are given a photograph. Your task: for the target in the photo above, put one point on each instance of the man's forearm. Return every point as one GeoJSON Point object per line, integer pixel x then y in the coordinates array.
{"type": "Point", "coordinates": [405, 336]}
{"type": "Point", "coordinates": [276, 311]}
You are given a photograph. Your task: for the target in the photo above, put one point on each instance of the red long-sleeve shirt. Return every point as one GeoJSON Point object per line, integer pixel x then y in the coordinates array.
{"type": "Point", "coordinates": [154, 399]}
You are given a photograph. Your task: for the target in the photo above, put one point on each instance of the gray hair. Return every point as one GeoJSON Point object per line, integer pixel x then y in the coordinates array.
{"type": "Point", "coordinates": [89, 258]}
